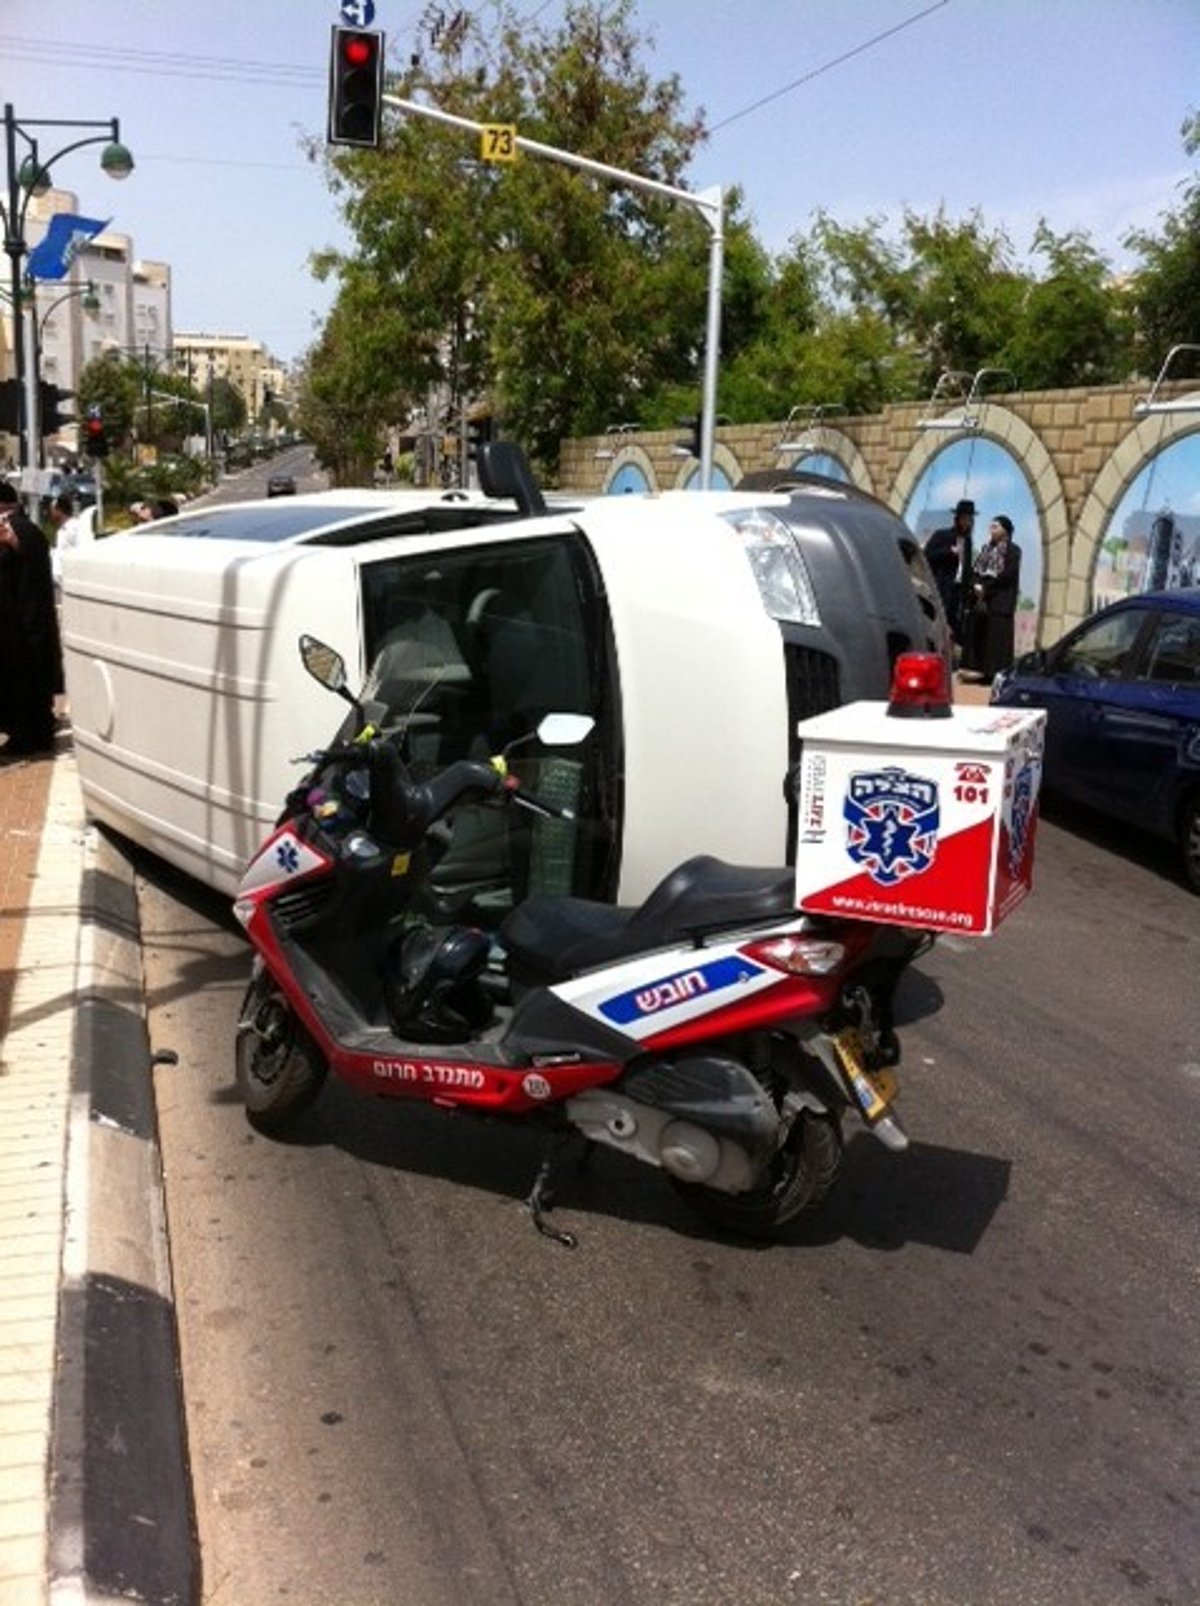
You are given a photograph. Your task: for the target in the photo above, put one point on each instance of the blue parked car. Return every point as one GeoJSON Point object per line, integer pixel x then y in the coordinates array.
{"type": "Point", "coordinates": [1122, 697]}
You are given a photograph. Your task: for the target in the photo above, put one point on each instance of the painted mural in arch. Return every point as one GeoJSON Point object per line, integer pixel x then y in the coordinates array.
{"type": "Point", "coordinates": [628, 480]}
{"type": "Point", "coordinates": [987, 472]}
{"type": "Point", "coordinates": [823, 463]}
{"type": "Point", "coordinates": [1151, 541]}
{"type": "Point", "coordinates": [720, 479]}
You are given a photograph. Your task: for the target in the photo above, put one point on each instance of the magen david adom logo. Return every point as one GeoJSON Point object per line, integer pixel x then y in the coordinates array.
{"type": "Point", "coordinates": [892, 822]}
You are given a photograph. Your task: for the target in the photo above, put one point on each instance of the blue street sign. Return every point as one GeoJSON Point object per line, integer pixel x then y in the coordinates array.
{"type": "Point", "coordinates": [357, 13]}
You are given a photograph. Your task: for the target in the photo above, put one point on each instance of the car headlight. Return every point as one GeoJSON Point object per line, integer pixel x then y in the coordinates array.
{"type": "Point", "coordinates": [777, 564]}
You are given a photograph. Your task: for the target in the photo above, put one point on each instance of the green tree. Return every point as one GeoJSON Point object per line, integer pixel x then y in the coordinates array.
{"type": "Point", "coordinates": [115, 386]}
{"type": "Point", "coordinates": [1073, 325]}
{"type": "Point", "coordinates": [228, 406]}
{"type": "Point", "coordinates": [1166, 287]}
{"type": "Point", "coordinates": [339, 410]}
{"type": "Point", "coordinates": [563, 298]}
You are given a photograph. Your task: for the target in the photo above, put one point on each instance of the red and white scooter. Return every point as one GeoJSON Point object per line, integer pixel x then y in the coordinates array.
{"type": "Point", "coordinates": [714, 1031]}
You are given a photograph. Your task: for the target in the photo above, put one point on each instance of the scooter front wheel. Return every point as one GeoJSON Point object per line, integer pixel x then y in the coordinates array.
{"type": "Point", "coordinates": [279, 1067]}
{"type": "Point", "coordinates": [800, 1178]}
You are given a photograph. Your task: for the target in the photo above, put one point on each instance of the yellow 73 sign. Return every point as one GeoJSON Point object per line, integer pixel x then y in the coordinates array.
{"type": "Point", "coordinates": [498, 142]}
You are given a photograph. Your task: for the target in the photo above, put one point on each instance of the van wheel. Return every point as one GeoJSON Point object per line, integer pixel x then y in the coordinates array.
{"type": "Point", "coordinates": [800, 1179]}
{"type": "Point", "coordinates": [279, 1067]}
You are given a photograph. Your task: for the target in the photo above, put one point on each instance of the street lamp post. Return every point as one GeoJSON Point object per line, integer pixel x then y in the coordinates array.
{"type": "Point", "coordinates": [32, 177]}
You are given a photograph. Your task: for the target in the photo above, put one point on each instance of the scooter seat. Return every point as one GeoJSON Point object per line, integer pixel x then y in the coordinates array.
{"type": "Point", "coordinates": [549, 939]}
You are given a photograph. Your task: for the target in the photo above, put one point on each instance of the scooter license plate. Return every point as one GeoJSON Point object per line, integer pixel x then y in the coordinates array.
{"type": "Point", "coordinates": [874, 1091]}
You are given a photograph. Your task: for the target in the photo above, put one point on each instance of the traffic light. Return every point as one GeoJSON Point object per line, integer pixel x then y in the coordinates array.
{"type": "Point", "coordinates": [51, 401]}
{"type": "Point", "coordinates": [355, 87]}
{"type": "Point", "coordinates": [479, 430]}
{"type": "Point", "coordinates": [10, 407]}
{"type": "Point", "coordinates": [95, 436]}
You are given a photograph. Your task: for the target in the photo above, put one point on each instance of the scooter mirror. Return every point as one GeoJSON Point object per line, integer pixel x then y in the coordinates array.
{"type": "Point", "coordinates": [565, 730]}
{"type": "Point", "coordinates": [323, 663]}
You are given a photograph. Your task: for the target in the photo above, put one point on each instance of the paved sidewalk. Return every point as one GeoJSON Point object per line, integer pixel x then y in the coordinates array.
{"type": "Point", "coordinates": [41, 854]}
{"type": "Point", "coordinates": [94, 1494]}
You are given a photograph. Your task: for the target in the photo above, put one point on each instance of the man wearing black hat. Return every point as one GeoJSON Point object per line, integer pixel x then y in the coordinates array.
{"type": "Point", "coordinates": [950, 556]}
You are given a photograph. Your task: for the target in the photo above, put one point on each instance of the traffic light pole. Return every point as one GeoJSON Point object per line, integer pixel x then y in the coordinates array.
{"type": "Point", "coordinates": [710, 204]}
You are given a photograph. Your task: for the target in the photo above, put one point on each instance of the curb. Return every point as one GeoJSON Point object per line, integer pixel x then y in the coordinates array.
{"type": "Point", "coordinates": [121, 1524]}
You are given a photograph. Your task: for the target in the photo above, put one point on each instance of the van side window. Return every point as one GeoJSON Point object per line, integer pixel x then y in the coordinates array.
{"type": "Point", "coordinates": [474, 647]}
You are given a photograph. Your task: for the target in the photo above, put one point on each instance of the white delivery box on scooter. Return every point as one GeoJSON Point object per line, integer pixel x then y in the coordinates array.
{"type": "Point", "coordinates": [918, 821]}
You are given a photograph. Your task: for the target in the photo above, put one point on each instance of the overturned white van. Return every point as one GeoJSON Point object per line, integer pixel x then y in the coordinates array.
{"type": "Point", "coordinates": [695, 629]}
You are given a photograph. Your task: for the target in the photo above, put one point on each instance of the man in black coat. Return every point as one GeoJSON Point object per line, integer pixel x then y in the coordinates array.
{"type": "Point", "coordinates": [31, 673]}
{"type": "Point", "coordinates": [949, 553]}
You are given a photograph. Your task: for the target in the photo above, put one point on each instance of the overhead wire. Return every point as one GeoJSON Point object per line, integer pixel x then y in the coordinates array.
{"type": "Point", "coordinates": [828, 66]}
{"type": "Point", "coordinates": [173, 64]}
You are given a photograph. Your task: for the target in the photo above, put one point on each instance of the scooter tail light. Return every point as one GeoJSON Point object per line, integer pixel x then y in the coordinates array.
{"type": "Point", "coordinates": [800, 956]}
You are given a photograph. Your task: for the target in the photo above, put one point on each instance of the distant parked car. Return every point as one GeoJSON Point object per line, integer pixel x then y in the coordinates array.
{"type": "Point", "coordinates": [281, 485]}
{"type": "Point", "coordinates": [1122, 695]}
{"type": "Point", "coordinates": [82, 487]}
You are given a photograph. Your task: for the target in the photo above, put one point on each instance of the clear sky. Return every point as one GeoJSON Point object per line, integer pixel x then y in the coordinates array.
{"type": "Point", "coordinates": [1069, 109]}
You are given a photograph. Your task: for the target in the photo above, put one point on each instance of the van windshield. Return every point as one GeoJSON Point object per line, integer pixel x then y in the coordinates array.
{"type": "Point", "coordinates": [281, 521]}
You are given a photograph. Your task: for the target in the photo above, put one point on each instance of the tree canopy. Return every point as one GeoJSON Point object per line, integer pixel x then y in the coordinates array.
{"type": "Point", "coordinates": [563, 303]}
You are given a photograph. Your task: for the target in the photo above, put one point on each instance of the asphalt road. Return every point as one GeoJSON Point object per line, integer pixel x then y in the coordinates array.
{"type": "Point", "coordinates": [244, 485]}
{"type": "Point", "coordinates": [974, 1383]}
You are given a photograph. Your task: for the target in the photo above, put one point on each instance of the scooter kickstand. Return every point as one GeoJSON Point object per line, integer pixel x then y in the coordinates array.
{"type": "Point", "coordinates": [541, 1201]}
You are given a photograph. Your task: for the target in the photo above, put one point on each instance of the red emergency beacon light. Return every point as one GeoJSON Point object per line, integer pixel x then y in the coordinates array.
{"type": "Point", "coordinates": [920, 686]}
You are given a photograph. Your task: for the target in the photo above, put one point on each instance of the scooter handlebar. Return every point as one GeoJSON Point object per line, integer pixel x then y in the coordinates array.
{"type": "Point", "coordinates": [402, 810]}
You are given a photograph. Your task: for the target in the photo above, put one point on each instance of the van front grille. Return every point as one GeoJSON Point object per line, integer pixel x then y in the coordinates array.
{"type": "Point", "coordinates": [813, 683]}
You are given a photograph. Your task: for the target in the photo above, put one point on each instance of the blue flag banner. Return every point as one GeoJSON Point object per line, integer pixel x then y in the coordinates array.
{"type": "Point", "coordinates": [51, 258]}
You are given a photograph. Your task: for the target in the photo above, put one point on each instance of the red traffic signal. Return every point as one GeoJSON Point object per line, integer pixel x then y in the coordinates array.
{"type": "Point", "coordinates": [355, 87]}
{"type": "Point", "coordinates": [95, 437]}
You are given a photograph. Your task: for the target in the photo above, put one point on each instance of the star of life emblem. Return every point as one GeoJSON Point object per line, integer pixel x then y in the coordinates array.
{"type": "Point", "coordinates": [892, 820]}
{"type": "Point", "coordinates": [286, 856]}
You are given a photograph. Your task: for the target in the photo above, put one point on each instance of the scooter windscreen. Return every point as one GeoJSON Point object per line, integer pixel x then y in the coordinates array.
{"type": "Point", "coordinates": [403, 677]}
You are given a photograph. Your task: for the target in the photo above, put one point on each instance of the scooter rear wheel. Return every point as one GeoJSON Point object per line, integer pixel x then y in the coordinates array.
{"type": "Point", "coordinates": [279, 1068]}
{"type": "Point", "coordinates": [801, 1178]}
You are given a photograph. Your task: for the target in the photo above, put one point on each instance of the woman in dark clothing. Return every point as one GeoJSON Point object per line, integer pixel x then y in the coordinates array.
{"type": "Point", "coordinates": [31, 674]}
{"type": "Point", "coordinates": [991, 623]}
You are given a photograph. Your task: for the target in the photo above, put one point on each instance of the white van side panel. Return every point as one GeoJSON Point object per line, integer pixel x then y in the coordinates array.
{"type": "Point", "coordinates": [177, 669]}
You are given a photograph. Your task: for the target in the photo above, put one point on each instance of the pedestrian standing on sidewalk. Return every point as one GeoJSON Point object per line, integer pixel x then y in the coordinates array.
{"type": "Point", "coordinates": [71, 531]}
{"type": "Point", "coordinates": [949, 554]}
{"type": "Point", "coordinates": [31, 673]}
{"type": "Point", "coordinates": [991, 621]}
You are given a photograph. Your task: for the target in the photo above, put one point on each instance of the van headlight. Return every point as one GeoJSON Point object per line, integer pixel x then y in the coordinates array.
{"type": "Point", "coordinates": [778, 565]}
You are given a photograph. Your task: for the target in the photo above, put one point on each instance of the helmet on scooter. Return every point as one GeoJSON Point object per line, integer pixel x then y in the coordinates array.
{"type": "Point", "coordinates": [434, 994]}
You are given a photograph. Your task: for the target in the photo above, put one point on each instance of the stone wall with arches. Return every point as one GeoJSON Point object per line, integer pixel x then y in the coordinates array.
{"type": "Point", "coordinates": [1102, 499]}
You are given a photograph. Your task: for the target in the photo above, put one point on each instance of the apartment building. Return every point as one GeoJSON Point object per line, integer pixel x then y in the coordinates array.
{"type": "Point", "coordinates": [112, 301]}
{"type": "Point", "coordinates": [245, 363]}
